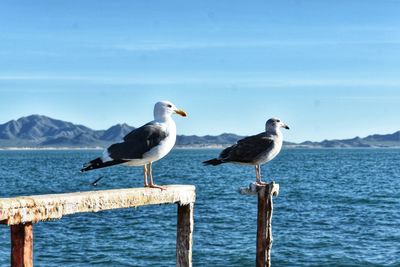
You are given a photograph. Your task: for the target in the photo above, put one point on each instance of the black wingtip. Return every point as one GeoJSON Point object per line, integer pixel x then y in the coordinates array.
{"type": "Point", "coordinates": [93, 164]}
{"type": "Point", "coordinates": [212, 162]}
{"type": "Point", "coordinates": [87, 167]}
{"type": "Point", "coordinates": [98, 163]}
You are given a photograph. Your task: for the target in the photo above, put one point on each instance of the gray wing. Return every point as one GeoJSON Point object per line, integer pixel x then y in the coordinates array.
{"type": "Point", "coordinates": [137, 142]}
{"type": "Point", "coordinates": [248, 149]}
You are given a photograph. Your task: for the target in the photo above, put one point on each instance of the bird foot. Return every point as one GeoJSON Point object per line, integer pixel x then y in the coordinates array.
{"type": "Point", "coordinates": [157, 186]}
{"type": "Point", "coordinates": [261, 183]}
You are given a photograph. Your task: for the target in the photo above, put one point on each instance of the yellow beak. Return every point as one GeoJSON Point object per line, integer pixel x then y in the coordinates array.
{"type": "Point", "coordinates": [181, 112]}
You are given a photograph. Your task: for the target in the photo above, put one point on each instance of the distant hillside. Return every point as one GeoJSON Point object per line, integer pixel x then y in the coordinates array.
{"type": "Point", "coordinates": [42, 131]}
{"type": "Point", "coordinates": [376, 140]}
{"type": "Point", "coordinates": [39, 131]}
{"type": "Point", "coordinates": [207, 140]}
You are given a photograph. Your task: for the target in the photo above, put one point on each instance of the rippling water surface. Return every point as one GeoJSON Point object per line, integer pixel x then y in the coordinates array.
{"type": "Point", "coordinates": [335, 208]}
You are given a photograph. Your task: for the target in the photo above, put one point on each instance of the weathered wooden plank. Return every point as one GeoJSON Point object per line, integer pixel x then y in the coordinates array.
{"type": "Point", "coordinates": [184, 236]}
{"type": "Point", "coordinates": [22, 245]}
{"type": "Point", "coordinates": [47, 207]}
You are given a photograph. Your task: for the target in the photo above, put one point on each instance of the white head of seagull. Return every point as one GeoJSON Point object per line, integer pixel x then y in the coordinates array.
{"type": "Point", "coordinates": [164, 109]}
{"type": "Point", "coordinates": [143, 145]}
{"type": "Point", "coordinates": [273, 124]}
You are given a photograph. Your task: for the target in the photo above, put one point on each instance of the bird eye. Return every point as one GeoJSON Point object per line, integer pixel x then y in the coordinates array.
{"type": "Point", "coordinates": [170, 106]}
{"type": "Point", "coordinates": [278, 121]}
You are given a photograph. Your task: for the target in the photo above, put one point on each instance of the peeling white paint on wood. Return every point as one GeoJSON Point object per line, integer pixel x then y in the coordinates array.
{"type": "Point", "coordinates": [49, 207]}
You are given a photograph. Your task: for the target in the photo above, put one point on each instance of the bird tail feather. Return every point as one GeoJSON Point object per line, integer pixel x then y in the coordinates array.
{"type": "Point", "coordinates": [213, 162]}
{"type": "Point", "coordinates": [98, 163]}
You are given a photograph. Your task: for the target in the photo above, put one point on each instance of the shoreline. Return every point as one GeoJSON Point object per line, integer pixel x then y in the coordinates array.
{"type": "Point", "coordinates": [48, 148]}
{"type": "Point", "coordinates": [180, 148]}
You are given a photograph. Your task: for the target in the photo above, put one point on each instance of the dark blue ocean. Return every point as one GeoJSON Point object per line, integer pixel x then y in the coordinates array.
{"type": "Point", "coordinates": [337, 207]}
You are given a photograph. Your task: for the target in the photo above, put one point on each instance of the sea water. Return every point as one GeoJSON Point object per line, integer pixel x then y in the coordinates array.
{"type": "Point", "coordinates": [336, 207]}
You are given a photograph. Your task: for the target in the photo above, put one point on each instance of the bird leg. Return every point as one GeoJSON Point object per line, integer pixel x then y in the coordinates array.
{"type": "Point", "coordinates": [145, 175]}
{"type": "Point", "coordinates": [152, 185]}
{"type": "Point", "coordinates": [258, 175]}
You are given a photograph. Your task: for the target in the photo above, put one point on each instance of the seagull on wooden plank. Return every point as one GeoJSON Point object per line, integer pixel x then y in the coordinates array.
{"type": "Point", "coordinates": [144, 145]}
{"type": "Point", "coordinates": [254, 150]}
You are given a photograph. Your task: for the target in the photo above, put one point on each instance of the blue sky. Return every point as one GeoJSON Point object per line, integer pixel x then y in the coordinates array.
{"type": "Point", "coordinates": [329, 69]}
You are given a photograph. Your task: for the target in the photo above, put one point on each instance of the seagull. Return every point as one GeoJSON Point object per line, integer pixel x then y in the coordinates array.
{"type": "Point", "coordinates": [144, 145]}
{"type": "Point", "coordinates": [254, 150]}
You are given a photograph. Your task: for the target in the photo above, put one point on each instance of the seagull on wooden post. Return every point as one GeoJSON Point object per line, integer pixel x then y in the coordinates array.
{"type": "Point", "coordinates": [144, 145]}
{"type": "Point", "coordinates": [254, 150]}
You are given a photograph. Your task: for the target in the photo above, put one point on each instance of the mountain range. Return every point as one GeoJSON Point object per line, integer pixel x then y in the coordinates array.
{"type": "Point", "coordinates": [38, 131]}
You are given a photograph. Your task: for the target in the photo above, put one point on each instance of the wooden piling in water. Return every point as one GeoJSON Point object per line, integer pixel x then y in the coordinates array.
{"type": "Point", "coordinates": [21, 245]}
{"type": "Point", "coordinates": [20, 212]}
{"type": "Point", "coordinates": [264, 220]}
{"type": "Point", "coordinates": [184, 237]}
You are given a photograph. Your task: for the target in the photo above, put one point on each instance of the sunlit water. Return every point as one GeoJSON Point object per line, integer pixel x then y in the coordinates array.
{"type": "Point", "coordinates": [335, 208]}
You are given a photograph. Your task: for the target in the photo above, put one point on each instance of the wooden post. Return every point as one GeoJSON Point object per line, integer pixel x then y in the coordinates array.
{"type": "Point", "coordinates": [21, 245]}
{"type": "Point", "coordinates": [264, 217]}
{"type": "Point", "coordinates": [184, 235]}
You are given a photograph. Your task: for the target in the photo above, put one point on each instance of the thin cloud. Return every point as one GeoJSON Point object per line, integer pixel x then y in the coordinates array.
{"type": "Point", "coordinates": [161, 46]}
{"type": "Point", "coordinates": [227, 79]}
